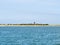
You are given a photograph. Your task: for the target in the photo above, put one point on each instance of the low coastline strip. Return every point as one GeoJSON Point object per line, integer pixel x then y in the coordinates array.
{"type": "Point", "coordinates": [23, 24]}
{"type": "Point", "coordinates": [29, 24]}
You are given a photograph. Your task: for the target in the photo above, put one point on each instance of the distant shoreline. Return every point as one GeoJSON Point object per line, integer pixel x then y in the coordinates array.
{"type": "Point", "coordinates": [23, 24]}
{"type": "Point", "coordinates": [29, 25]}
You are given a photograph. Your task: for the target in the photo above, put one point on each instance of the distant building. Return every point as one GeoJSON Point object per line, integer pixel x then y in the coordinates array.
{"type": "Point", "coordinates": [34, 23]}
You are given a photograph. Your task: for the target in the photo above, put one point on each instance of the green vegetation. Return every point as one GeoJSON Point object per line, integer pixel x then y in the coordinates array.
{"type": "Point", "coordinates": [23, 24]}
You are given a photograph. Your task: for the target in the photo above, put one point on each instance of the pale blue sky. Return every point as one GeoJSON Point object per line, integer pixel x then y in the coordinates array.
{"type": "Point", "coordinates": [28, 11]}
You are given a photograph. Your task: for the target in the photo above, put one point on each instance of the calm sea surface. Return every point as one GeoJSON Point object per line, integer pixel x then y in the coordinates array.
{"type": "Point", "coordinates": [29, 35]}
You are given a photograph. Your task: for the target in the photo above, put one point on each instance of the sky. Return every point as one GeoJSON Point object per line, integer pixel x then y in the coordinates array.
{"type": "Point", "coordinates": [28, 11]}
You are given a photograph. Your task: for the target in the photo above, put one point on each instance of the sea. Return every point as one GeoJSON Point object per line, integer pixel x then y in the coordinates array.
{"type": "Point", "coordinates": [40, 35]}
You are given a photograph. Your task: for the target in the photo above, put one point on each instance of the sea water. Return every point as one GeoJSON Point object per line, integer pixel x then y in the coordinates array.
{"type": "Point", "coordinates": [29, 35]}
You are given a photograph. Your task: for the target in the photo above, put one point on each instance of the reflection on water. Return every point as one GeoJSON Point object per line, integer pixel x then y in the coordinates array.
{"type": "Point", "coordinates": [29, 35]}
